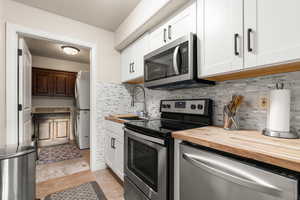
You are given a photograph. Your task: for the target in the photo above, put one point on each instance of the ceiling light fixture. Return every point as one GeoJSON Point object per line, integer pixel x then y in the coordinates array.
{"type": "Point", "coordinates": [70, 50]}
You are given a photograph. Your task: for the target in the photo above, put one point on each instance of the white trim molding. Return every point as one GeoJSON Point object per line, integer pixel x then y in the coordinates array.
{"type": "Point", "coordinates": [12, 33]}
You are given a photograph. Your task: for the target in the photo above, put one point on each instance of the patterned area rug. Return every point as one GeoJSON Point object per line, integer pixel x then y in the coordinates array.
{"type": "Point", "coordinates": [58, 153]}
{"type": "Point", "coordinates": [87, 191]}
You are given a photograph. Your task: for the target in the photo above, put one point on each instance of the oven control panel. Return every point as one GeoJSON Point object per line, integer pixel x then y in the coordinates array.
{"type": "Point", "coordinates": [192, 106]}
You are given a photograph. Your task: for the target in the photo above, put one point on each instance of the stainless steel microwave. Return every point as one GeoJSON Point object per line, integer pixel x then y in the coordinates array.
{"type": "Point", "coordinates": [173, 66]}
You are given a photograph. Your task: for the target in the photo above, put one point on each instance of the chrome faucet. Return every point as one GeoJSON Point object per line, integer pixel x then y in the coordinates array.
{"type": "Point", "coordinates": [145, 113]}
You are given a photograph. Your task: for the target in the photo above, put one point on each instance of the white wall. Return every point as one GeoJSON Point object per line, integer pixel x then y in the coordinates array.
{"type": "Point", "coordinates": [2, 76]}
{"type": "Point", "coordinates": [108, 59]}
{"type": "Point", "coordinates": [58, 64]}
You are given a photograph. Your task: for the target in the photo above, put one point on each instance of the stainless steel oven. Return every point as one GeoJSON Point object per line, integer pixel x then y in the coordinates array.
{"type": "Point", "coordinates": [145, 167]}
{"type": "Point", "coordinates": [173, 66]}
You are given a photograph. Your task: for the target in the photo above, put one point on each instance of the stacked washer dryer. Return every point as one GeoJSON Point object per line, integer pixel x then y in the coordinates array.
{"type": "Point", "coordinates": [82, 98]}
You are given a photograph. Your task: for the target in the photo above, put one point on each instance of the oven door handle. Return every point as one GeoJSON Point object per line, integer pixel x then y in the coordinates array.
{"type": "Point", "coordinates": [145, 137]}
{"type": "Point", "coordinates": [175, 64]}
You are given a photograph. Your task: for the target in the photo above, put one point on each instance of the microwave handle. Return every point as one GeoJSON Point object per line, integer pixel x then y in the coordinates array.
{"type": "Point", "coordinates": [175, 64]}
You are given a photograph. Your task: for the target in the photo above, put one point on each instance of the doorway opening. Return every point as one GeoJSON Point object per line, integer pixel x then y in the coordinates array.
{"type": "Point", "coordinates": [54, 94]}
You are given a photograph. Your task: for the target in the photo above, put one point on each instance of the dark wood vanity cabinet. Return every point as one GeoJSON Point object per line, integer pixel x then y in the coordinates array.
{"type": "Point", "coordinates": [53, 83]}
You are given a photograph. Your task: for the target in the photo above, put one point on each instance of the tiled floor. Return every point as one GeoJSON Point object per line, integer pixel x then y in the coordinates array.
{"type": "Point", "coordinates": [110, 185]}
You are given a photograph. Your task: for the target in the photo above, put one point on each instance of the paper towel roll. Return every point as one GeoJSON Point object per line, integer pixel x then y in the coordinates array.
{"type": "Point", "coordinates": [279, 110]}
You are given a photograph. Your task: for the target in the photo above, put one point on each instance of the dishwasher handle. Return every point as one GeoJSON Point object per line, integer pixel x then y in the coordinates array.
{"type": "Point", "coordinates": [232, 174]}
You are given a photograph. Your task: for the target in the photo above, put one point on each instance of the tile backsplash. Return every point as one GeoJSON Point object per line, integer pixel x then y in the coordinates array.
{"type": "Point", "coordinates": [116, 98]}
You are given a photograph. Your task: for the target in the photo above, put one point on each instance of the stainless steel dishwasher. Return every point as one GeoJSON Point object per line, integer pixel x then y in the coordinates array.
{"type": "Point", "coordinates": [17, 172]}
{"type": "Point", "coordinates": [207, 175]}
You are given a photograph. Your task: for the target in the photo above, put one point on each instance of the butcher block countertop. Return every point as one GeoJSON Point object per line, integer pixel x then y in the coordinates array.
{"type": "Point", "coordinates": [116, 118]}
{"type": "Point", "coordinates": [284, 153]}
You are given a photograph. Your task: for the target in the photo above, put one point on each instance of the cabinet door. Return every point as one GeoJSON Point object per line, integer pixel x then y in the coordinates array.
{"type": "Point", "coordinates": [42, 83]}
{"type": "Point", "coordinates": [272, 32]}
{"type": "Point", "coordinates": [71, 86]}
{"type": "Point", "coordinates": [220, 32]}
{"type": "Point", "coordinates": [110, 157]}
{"type": "Point", "coordinates": [157, 38]}
{"type": "Point", "coordinates": [61, 128]}
{"type": "Point", "coordinates": [119, 158]}
{"type": "Point", "coordinates": [139, 49]}
{"type": "Point", "coordinates": [45, 129]}
{"type": "Point", "coordinates": [183, 23]}
{"type": "Point", "coordinates": [126, 64]}
{"type": "Point", "coordinates": [60, 84]}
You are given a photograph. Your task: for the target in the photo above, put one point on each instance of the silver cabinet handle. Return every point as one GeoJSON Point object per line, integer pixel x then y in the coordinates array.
{"type": "Point", "coordinates": [169, 32]}
{"type": "Point", "coordinates": [165, 35]}
{"type": "Point", "coordinates": [175, 64]}
{"type": "Point", "coordinates": [232, 174]}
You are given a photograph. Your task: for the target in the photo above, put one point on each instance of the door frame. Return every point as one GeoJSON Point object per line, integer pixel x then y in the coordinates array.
{"type": "Point", "coordinates": [12, 33]}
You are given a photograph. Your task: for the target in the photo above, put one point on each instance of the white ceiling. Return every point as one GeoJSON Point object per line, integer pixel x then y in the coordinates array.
{"type": "Point", "coordinates": [52, 49]}
{"type": "Point", "coordinates": [106, 14]}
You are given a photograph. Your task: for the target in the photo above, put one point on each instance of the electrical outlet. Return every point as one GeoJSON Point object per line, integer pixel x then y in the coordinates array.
{"type": "Point", "coordinates": [263, 103]}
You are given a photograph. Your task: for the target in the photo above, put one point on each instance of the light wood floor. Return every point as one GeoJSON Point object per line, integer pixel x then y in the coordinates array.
{"type": "Point", "coordinates": [111, 186]}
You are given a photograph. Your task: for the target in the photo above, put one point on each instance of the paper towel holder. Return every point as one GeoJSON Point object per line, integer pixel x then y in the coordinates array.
{"type": "Point", "coordinates": [280, 134]}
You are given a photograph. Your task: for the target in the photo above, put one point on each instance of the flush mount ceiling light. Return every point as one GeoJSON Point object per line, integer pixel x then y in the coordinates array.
{"type": "Point", "coordinates": [70, 50]}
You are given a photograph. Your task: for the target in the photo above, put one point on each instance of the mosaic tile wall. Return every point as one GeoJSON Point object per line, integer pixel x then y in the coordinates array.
{"type": "Point", "coordinates": [115, 99]}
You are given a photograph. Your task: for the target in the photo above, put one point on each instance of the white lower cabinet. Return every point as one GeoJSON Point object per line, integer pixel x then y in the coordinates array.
{"type": "Point", "coordinates": [114, 145]}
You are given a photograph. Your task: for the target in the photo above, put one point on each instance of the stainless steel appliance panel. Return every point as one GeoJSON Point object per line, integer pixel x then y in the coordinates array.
{"type": "Point", "coordinates": [205, 175]}
{"type": "Point", "coordinates": [171, 63]}
{"type": "Point", "coordinates": [151, 177]}
{"type": "Point", "coordinates": [132, 192]}
{"type": "Point", "coordinates": [17, 173]}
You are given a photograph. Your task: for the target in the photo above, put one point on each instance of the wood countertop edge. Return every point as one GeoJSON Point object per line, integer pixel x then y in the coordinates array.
{"type": "Point", "coordinates": [258, 156]}
{"type": "Point", "coordinates": [114, 119]}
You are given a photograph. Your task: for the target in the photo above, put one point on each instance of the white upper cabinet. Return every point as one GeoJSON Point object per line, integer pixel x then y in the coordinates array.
{"type": "Point", "coordinates": [178, 25]}
{"type": "Point", "coordinates": [132, 59]}
{"type": "Point", "coordinates": [272, 32]}
{"type": "Point", "coordinates": [240, 34]}
{"type": "Point", "coordinates": [220, 36]}
{"type": "Point", "coordinates": [126, 64]}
